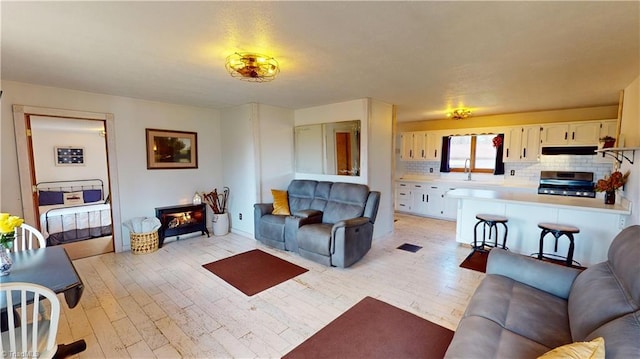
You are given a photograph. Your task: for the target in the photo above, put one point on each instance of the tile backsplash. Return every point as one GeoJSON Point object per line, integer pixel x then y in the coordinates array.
{"type": "Point", "coordinates": [524, 172]}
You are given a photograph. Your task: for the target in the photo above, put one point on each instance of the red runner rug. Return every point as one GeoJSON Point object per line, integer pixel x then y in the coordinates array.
{"type": "Point", "coordinates": [375, 329]}
{"type": "Point", "coordinates": [254, 271]}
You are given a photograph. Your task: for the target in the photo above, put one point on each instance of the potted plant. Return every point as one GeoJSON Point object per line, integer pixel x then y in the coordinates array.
{"type": "Point", "coordinates": [610, 184]}
{"type": "Point", "coordinates": [218, 204]}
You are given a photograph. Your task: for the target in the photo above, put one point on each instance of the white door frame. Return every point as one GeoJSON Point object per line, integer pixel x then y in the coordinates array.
{"type": "Point", "coordinates": [20, 113]}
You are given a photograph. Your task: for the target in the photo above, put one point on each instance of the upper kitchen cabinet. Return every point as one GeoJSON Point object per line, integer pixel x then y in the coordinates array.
{"type": "Point", "coordinates": [609, 128]}
{"type": "Point", "coordinates": [522, 144]}
{"type": "Point", "coordinates": [406, 146]}
{"type": "Point", "coordinates": [419, 146]}
{"type": "Point", "coordinates": [579, 133]}
{"type": "Point", "coordinates": [433, 142]}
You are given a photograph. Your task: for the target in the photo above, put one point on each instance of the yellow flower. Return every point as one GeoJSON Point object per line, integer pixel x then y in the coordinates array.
{"type": "Point", "coordinates": [8, 223]}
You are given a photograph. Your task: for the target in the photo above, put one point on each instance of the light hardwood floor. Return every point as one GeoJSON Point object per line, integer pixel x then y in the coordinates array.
{"type": "Point", "coordinates": [165, 305]}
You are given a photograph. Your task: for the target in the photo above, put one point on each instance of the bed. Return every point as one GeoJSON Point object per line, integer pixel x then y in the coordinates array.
{"type": "Point", "coordinates": [72, 211]}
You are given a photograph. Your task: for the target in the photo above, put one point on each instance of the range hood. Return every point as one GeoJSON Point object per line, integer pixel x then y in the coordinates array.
{"type": "Point", "coordinates": [570, 150]}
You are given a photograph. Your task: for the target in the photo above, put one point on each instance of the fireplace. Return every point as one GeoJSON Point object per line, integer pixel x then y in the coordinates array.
{"type": "Point", "coordinates": [181, 219]}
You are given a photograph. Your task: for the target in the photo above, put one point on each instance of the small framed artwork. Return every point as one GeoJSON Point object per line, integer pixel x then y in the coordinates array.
{"type": "Point", "coordinates": [69, 156]}
{"type": "Point", "coordinates": [171, 149]}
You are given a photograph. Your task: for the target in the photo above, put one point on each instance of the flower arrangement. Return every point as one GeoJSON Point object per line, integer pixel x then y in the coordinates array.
{"type": "Point", "coordinates": [497, 141]}
{"type": "Point", "coordinates": [8, 225]}
{"type": "Point", "coordinates": [612, 183]}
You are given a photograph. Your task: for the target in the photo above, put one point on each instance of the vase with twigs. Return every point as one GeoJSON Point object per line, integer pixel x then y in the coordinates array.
{"type": "Point", "coordinates": [217, 201]}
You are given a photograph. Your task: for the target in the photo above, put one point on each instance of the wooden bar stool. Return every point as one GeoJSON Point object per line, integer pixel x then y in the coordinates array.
{"type": "Point", "coordinates": [489, 221]}
{"type": "Point", "coordinates": [558, 230]}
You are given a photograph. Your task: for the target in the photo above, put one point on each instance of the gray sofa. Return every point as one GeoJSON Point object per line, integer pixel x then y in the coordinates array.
{"type": "Point", "coordinates": [330, 223]}
{"type": "Point", "coordinates": [525, 307]}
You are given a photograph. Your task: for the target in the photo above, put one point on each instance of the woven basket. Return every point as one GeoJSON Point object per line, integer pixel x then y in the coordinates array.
{"type": "Point", "coordinates": [144, 242]}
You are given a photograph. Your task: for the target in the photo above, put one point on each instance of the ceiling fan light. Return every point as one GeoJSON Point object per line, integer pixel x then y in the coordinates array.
{"type": "Point", "coordinates": [252, 67]}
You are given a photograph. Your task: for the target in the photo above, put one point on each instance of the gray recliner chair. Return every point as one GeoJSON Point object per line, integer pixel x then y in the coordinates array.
{"type": "Point", "coordinates": [345, 232]}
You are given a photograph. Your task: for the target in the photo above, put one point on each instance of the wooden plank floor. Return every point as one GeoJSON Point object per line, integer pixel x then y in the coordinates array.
{"type": "Point", "coordinates": [165, 305]}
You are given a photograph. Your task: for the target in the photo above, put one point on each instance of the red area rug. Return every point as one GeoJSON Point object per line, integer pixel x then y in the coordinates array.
{"type": "Point", "coordinates": [476, 261]}
{"type": "Point", "coordinates": [375, 329]}
{"type": "Point", "coordinates": [254, 271]}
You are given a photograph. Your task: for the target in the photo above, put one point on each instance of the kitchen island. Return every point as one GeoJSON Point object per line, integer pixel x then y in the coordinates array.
{"type": "Point", "coordinates": [598, 223]}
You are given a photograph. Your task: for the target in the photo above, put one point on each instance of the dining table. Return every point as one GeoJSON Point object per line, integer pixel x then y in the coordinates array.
{"type": "Point", "coordinates": [50, 267]}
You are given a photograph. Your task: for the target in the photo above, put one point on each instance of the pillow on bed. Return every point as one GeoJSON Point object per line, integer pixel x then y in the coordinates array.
{"type": "Point", "coordinates": [71, 198]}
{"type": "Point", "coordinates": [48, 198]}
{"type": "Point", "coordinates": [92, 195]}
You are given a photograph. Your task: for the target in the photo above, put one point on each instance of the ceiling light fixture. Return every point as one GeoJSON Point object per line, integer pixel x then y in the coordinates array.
{"type": "Point", "coordinates": [252, 67]}
{"type": "Point", "coordinates": [459, 113]}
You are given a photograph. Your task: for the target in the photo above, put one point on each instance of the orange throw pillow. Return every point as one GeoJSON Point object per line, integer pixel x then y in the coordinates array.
{"type": "Point", "coordinates": [280, 202]}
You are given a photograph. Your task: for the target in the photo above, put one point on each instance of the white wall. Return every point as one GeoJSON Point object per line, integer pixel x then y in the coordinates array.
{"type": "Point", "coordinates": [630, 129]}
{"type": "Point", "coordinates": [141, 190]}
{"type": "Point", "coordinates": [240, 167]}
{"type": "Point", "coordinates": [381, 163]}
{"type": "Point", "coordinates": [47, 133]}
{"type": "Point", "coordinates": [276, 155]}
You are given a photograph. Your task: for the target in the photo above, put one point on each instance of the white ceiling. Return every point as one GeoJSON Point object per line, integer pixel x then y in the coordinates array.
{"type": "Point", "coordinates": [425, 57]}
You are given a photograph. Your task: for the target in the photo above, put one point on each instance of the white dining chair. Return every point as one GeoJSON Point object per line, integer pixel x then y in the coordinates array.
{"type": "Point", "coordinates": [26, 236]}
{"type": "Point", "coordinates": [27, 333]}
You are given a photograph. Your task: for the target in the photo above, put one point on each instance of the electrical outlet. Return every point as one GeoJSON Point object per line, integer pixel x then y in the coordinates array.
{"type": "Point", "coordinates": [622, 221]}
{"type": "Point", "coordinates": [240, 216]}
{"type": "Point", "coordinates": [512, 173]}
{"type": "Point", "coordinates": [430, 169]}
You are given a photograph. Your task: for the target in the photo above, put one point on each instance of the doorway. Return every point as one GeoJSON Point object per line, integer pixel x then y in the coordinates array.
{"type": "Point", "coordinates": [66, 161]}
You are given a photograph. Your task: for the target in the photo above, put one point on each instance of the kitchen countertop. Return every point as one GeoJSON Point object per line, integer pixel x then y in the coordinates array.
{"type": "Point", "coordinates": [474, 183]}
{"type": "Point", "coordinates": [587, 204]}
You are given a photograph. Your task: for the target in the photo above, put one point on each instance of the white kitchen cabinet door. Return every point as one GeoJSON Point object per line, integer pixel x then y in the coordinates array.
{"type": "Point", "coordinates": [403, 197]}
{"type": "Point", "coordinates": [419, 199]}
{"type": "Point", "coordinates": [530, 144]}
{"type": "Point", "coordinates": [512, 144]}
{"type": "Point", "coordinates": [555, 134]}
{"type": "Point", "coordinates": [435, 201]}
{"type": "Point", "coordinates": [406, 146]}
{"type": "Point", "coordinates": [433, 144]}
{"type": "Point", "coordinates": [419, 145]}
{"type": "Point", "coordinates": [609, 128]}
{"type": "Point", "coordinates": [587, 133]}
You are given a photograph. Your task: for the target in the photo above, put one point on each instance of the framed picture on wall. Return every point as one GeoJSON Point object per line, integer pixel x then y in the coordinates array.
{"type": "Point", "coordinates": [68, 156]}
{"type": "Point", "coordinates": [171, 149]}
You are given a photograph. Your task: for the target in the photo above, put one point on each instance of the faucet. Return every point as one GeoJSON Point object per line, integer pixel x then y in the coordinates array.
{"type": "Point", "coordinates": [467, 162]}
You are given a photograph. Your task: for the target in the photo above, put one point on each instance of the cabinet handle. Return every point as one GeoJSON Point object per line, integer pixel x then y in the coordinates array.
{"type": "Point", "coordinates": [565, 135]}
{"type": "Point", "coordinates": [435, 153]}
{"type": "Point", "coordinates": [573, 135]}
{"type": "Point", "coordinates": [507, 153]}
{"type": "Point", "coordinates": [422, 198]}
{"type": "Point", "coordinates": [524, 152]}
{"type": "Point", "coordinates": [427, 198]}
{"type": "Point", "coordinates": [422, 153]}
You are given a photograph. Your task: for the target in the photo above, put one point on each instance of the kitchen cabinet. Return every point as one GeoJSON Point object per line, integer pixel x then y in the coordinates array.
{"type": "Point", "coordinates": [406, 146]}
{"type": "Point", "coordinates": [573, 134]}
{"type": "Point", "coordinates": [522, 144]}
{"type": "Point", "coordinates": [419, 146]}
{"type": "Point", "coordinates": [433, 143]}
{"type": "Point", "coordinates": [424, 199]}
{"type": "Point", "coordinates": [608, 128]}
{"type": "Point", "coordinates": [403, 197]}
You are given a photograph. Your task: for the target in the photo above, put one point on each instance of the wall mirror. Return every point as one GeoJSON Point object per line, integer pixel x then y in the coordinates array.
{"type": "Point", "coordinates": [328, 148]}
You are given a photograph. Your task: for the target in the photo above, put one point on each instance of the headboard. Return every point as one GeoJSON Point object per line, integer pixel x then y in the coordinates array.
{"type": "Point", "coordinates": [71, 192]}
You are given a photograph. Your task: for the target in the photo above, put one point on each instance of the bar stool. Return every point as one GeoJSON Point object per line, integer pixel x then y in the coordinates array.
{"type": "Point", "coordinates": [489, 221]}
{"type": "Point", "coordinates": [558, 230]}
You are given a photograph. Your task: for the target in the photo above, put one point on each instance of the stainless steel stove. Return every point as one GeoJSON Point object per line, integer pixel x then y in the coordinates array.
{"type": "Point", "coordinates": [566, 183]}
